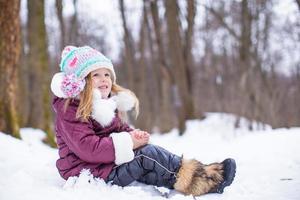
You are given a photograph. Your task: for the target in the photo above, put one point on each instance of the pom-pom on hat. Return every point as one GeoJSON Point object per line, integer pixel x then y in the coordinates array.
{"type": "Point", "coordinates": [76, 63]}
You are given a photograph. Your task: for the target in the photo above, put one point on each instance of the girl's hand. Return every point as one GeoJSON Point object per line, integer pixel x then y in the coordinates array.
{"type": "Point", "coordinates": [139, 138]}
{"type": "Point", "coordinates": [139, 134]}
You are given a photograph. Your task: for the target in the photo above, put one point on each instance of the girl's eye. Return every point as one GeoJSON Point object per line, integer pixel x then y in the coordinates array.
{"type": "Point", "coordinates": [107, 75]}
{"type": "Point", "coordinates": [95, 74]}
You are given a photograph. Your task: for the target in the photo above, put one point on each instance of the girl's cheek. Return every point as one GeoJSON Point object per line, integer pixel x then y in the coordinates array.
{"type": "Point", "coordinates": [95, 82]}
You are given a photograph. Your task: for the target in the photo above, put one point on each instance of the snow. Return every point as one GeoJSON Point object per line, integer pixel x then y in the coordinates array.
{"type": "Point", "coordinates": [268, 164]}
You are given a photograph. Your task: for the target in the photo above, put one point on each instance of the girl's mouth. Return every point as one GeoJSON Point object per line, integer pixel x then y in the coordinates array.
{"type": "Point", "coordinates": [103, 87]}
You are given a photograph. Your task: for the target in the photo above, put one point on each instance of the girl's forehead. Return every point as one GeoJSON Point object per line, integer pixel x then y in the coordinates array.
{"type": "Point", "coordinates": [101, 70]}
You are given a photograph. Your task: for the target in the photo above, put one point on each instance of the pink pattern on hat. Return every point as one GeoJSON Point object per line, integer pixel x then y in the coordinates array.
{"type": "Point", "coordinates": [73, 62]}
{"type": "Point", "coordinates": [66, 50]}
{"type": "Point", "coordinates": [71, 86]}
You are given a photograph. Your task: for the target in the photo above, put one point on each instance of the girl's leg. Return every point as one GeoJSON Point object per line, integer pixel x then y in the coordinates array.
{"type": "Point", "coordinates": [157, 166]}
{"type": "Point", "coordinates": [151, 165]}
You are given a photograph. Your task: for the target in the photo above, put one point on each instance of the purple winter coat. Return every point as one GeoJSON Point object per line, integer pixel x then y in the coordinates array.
{"type": "Point", "coordinates": [84, 145]}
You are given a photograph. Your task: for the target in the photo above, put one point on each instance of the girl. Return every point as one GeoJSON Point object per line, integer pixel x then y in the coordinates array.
{"type": "Point", "coordinates": [91, 134]}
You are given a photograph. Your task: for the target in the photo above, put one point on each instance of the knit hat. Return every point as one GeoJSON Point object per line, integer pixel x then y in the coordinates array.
{"type": "Point", "coordinates": [76, 63]}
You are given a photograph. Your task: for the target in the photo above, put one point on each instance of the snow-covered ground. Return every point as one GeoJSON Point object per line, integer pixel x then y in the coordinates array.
{"type": "Point", "coordinates": [268, 165]}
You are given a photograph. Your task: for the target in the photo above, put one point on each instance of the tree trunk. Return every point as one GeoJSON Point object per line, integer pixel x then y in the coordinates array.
{"type": "Point", "coordinates": [73, 29]}
{"type": "Point", "coordinates": [10, 48]}
{"type": "Point", "coordinates": [297, 96]}
{"type": "Point", "coordinates": [59, 12]}
{"type": "Point", "coordinates": [23, 77]}
{"type": "Point", "coordinates": [129, 49]}
{"type": "Point", "coordinates": [188, 55]}
{"type": "Point", "coordinates": [246, 30]}
{"type": "Point", "coordinates": [165, 119]}
{"type": "Point", "coordinates": [298, 3]}
{"type": "Point", "coordinates": [40, 115]}
{"type": "Point", "coordinates": [175, 50]}
{"type": "Point", "coordinates": [246, 70]}
{"type": "Point", "coordinates": [143, 121]}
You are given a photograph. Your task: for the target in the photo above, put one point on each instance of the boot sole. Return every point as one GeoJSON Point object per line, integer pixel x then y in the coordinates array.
{"type": "Point", "coordinates": [231, 175]}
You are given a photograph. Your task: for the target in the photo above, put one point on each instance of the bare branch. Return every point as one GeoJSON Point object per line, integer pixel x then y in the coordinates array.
{"type": "Point", "coordinates": [222, 21]}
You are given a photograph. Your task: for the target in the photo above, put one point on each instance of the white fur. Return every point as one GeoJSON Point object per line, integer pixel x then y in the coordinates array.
{"type": "Point", "coordinates": [103, 110]}
{"type": "Point", "coordinates": [123, 147]}
{"type": "Point", "coordinates": [125, 101]}
{"type": "Point", "coordinates": [56, 85]}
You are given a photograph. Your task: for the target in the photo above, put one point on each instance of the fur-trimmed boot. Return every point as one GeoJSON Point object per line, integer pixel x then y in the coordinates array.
{"type": "Point", "coordinates": [195, 178]}
{"type": "Point", "coordinates": [229, 169]}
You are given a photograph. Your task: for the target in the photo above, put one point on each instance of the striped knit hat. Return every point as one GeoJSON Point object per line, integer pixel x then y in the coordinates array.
{"type": "Point", "coordinates": [76, 63]}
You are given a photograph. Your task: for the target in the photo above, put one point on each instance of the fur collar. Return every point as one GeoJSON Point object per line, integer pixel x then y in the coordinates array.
{"type": "Point", "coordinates": [103, 110]}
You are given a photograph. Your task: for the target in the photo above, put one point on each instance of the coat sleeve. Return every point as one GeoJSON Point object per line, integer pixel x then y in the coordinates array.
{"type": "Point", "coordinates": [82, 140]}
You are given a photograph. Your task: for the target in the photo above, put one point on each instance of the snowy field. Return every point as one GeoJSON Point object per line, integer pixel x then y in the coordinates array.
{"type": "Point", "coordinates": [268, 165]}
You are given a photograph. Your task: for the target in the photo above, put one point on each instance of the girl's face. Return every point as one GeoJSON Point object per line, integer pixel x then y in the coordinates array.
{"type": "Point", "coordinates": [101, 80]}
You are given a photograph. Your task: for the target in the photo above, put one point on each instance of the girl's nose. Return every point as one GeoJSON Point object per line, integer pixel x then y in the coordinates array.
{"type": "Point", "coordinates": [102, 78]}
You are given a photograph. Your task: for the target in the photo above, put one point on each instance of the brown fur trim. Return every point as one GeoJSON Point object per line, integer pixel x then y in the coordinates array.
{"type": "Point", "coordinates": [195, 178]}
{"type": "Point", "coordinates": [185, 175]}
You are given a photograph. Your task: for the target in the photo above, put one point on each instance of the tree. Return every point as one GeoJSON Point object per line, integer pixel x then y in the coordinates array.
{"type": "Point", "coordinates": [175, 49]}
{"type": "Point", "coordinates": [188, 55]}
{"type": "Point", "coordinates": [163, 76]}
{"type": "Point", "coordinates": [10, 48]}
{"type": "Point", "coordinates": [59, 12]}
{"type": "Point", "coordinates": [130, 61]}
{"type": "Point", "coordinates": [298, 3]}
{"type": "Point", "coordinates": [143, 121]}
{"type": "Point", "coordinates": [73, 29]}
{"type": "Point", "coordinates": [40, 115]}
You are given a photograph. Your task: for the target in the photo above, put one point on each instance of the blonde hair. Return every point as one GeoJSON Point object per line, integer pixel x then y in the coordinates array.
{"type": "Point", "coordinates": [86, 97]}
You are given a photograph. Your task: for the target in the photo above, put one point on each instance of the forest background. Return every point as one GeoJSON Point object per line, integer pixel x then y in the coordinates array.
{"type": "Point", "coordinates": [183, 58]}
